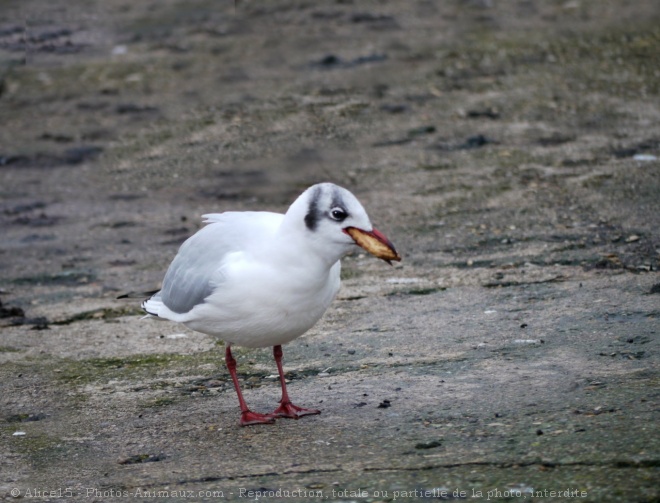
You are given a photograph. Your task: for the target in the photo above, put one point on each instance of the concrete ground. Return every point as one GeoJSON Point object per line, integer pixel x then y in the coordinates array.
{"type": "Point", "coordinates": [509, 150]}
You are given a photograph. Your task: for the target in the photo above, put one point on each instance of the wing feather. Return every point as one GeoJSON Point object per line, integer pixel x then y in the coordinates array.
{"type": "Point", "coordinates": [195, 272]}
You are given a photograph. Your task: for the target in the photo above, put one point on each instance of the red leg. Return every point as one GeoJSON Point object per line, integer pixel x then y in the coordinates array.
{"type": "Point", "coordinates": [286, 408]}
{"type": "Point", "coordinates": [247, 416]}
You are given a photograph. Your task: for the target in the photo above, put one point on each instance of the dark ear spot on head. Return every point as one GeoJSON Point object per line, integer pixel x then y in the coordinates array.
{"type": "Point", "coordinates": [312, 216]}
{"type": "Point", "coordinates": [311, 220]}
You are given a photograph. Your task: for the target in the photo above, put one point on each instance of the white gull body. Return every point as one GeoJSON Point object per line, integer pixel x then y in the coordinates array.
{"type": "Point", "coordinates": [263, 289]}
{"type": "Point", "coordinates": [260, 279]}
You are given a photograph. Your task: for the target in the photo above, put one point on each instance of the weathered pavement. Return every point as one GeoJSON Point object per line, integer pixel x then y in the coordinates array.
{"type": "Point", "coordinates": [508, 149]}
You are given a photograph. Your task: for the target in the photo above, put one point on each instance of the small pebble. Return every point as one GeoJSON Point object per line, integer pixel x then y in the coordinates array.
{"type": "Point", "coordinates": [176, 336]}
{"type": "Point", "coordinates": [119, 50]}
{"type": "Point", "coordinates": [645, 157]}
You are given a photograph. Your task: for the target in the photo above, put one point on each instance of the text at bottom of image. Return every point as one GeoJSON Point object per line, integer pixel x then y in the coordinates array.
{"type": "Point", "coordinates": [270, 494]}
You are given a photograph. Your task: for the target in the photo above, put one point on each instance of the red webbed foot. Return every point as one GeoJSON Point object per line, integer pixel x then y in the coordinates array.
{"type": "Point", "coordinates": [249, 418]}
{"type": "Point", "coordinates": [287, 409]}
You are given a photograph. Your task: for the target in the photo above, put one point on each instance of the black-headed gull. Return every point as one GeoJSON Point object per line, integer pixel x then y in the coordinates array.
{"type": "Point", "coordinates": [258, 279]}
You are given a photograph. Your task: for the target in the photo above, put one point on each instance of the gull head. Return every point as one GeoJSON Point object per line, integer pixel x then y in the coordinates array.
{"type": "Point", "coordinates": [334, 222]}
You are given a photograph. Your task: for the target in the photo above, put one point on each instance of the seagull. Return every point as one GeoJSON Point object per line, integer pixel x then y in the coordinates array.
{"type": "Point", "coordinates": [258, 279]}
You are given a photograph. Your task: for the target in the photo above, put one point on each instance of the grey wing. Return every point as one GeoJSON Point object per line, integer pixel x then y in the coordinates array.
{"type": "Point", "coordinates": [194, 272]}
{"type": "Point", "coordinates": [189, 279]}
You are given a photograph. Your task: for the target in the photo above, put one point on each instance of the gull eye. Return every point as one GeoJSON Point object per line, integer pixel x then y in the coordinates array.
{"type": "Point", "coordinates": [338, 214]}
